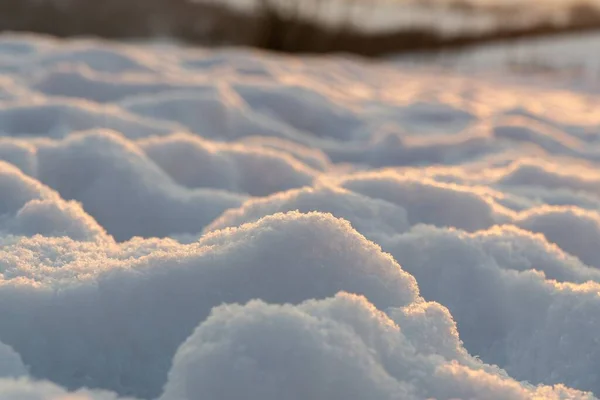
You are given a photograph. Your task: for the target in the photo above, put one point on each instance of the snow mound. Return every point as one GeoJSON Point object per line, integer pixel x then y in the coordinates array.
{"type": "Point", "coordinates": [429, 202]}
{"type": "Point", "coordinates": [367, 215]}
{"type": "Point", "coordinates": [11, 364]}
{"type": "Point", "coordinates": [238, 168]}
{"type": "Point", "coordinates": [123, 189]}
{"type": "Point", "coordinates": [536, 328]}
{"type": "Point", "coordinates": [58, 118]}
{"type": "Point", "coordinates": [576, 231]}
{"type": "Point", "coordinates": [155, 293]}
{"type": "Point", "coordinates": [337, 348]}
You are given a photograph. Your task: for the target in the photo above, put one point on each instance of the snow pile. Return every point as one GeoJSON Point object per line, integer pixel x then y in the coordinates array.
{"type": "Point", "coordinates": [335, 348]}
{"type": "Point", "coordinates": [179, 224]}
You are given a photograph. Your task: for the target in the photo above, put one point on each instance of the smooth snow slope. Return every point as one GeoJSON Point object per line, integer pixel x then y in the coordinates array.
{"type": "Point", "coordinates": [182, 224]}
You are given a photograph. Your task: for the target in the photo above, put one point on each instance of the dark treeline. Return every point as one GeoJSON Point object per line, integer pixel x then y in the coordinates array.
{"type": "Point", "coordinates": [269, 28]}
{"type": "Point", "coordinates": [179, 19]}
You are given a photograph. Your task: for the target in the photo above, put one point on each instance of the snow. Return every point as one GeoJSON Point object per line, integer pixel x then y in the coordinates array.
{"type": "Point", "coordinates": [181, 223]}
{"type": "Point", "coordinates": [573, 61]}
{"type": "Point", "coordinates": [340, 348]}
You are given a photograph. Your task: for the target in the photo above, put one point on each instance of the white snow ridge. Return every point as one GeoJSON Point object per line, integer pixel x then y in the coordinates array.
{"type": "Point", "coordinates": [183, 224]}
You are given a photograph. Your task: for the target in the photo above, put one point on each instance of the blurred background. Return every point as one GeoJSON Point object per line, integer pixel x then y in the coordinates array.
{"type": "Point", "coordinates": [542, 35]}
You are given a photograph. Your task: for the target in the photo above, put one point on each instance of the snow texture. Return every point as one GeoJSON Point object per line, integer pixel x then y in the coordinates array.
{"type": "Point", "coordinates": [182, 224]}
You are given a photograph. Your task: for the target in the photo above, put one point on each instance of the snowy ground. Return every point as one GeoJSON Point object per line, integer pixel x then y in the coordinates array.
{"type": "Point", "coordinates": [183, 224]}
{"type": "Point", "coordinates": [569, 61]}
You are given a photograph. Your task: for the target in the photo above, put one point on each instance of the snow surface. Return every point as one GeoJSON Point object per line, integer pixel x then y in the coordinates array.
{"type": "Point", "coordinates": [572, 61]}
{"type": "Point", "coordinates": [181, 224]}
